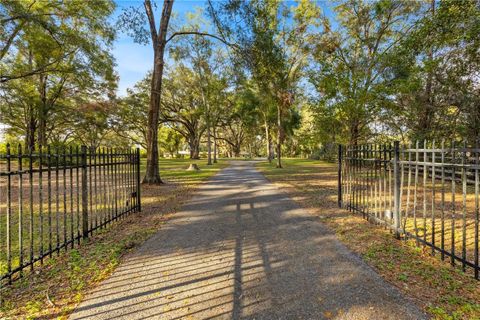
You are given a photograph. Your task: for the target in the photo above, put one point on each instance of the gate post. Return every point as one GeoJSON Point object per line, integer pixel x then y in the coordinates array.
{"type": "Point", "coordinates": [340, 195]}
{"type": "Point", "coordinates": [397, 186]}
{"type": "Point", "coordinates": [84, 191]}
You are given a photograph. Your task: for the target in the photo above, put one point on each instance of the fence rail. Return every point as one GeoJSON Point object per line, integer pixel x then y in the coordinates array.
{"type": "Point", "coordinates": [51, 198]}
{"type": "Point", "coordinates": [427, 192]}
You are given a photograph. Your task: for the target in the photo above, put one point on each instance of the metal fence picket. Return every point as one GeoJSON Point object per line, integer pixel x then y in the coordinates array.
{"type": "Point", "coordinates": [414, 191]}
{"type": "Point", "coordinates": [55, 197]}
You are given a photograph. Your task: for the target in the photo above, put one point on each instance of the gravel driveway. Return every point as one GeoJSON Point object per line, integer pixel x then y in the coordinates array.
{"type": "Point", "coordinates": [241, 249]}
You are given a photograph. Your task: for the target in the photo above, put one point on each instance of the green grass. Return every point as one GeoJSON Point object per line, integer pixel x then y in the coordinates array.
{"type": "Point", "coordinates": [66, 277]}
{"type": "Point", "coordinates": [53, 290]}
{"type": "Point", "coordinates": [293, 166]}
{"type": "Point", "coordinates": [175, 169]}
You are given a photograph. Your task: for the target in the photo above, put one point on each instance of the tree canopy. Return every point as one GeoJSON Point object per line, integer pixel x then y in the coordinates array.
{"type": "Point", "coordinates": [257, 78]}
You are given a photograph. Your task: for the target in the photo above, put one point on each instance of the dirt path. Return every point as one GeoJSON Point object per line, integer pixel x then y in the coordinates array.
{"type": "Point", "coordinates": [241, 249]}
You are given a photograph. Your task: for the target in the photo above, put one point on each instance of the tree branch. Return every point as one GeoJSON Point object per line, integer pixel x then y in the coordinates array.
{"type": "Point", "coordinates": [205, 34]}
{"type": "Point", "coordinates": [151, 21]}
{"type": "Point", "coordinates": [25, 16]}
{"type": "Point", "coordinates": [39, 70]}
{"type": "Point", "coordinates": [10, 39]}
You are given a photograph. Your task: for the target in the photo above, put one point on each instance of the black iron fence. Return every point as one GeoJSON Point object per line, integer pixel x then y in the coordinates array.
{"type": "Point", "coordinates": [52, 198]}
{"type": "Point", "coordinates": [428, 192]}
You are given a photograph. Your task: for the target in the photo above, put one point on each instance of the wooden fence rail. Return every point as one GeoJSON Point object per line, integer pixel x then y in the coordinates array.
{"type": "Point", "coordinates": [427, 192]}
{"type": "Point", "coordinates": [51, 198]}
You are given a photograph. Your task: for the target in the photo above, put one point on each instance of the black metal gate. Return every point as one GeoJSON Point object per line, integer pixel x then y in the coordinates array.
{"type": "Point", "coordinates": [428, 192]}
{"type": "Point", "coordinates": [51, 198]}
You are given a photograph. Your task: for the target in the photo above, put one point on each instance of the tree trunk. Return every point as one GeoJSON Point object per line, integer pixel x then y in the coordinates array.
{"type": "Point", "coordinates": [427, 128]}
{"type": "Point", "coordinates": [42, 126]}
{"type": "Point", "coordinates": [196, 152]}
{"type": "Point", "coordinates": [354, 134]}
{"type": "Point", "coordinates": [30, 136]}
{"type": "Point", "coordinates": [279, 158]}
{"type": "Point", "coordinates": [194, 144]}
{"type": "Point", "coordinates": [269, 142]}
{"type": "Point", "coordinates": [209, 145]}
{"type": "Point", "coordinates": [214, 145]}
{"type": "Point", "coordinates": [279, 136]}
{"type": "Point", "coordinates": [209, 135]}
{"type": "Point", "coordinates": [43, 112]}
{"type": "Point", "coordinates": [31, 125]}
{"type": "Point", "coordinates": [152, 174]}
{"type": "Point", "coordinates": [236, 150]}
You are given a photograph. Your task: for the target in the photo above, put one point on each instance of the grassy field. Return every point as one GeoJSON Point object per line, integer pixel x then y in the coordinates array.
{"type": "Point", "coordinates": [444, 292]}
{"type": "Point", "coordinates": [174, 170]}
{"type": "Point", "coordinates": [52, 290]}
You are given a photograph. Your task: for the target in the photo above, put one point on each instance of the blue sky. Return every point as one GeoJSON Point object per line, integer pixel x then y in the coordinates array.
{"type": "Point", "coordinates": [135, 60]}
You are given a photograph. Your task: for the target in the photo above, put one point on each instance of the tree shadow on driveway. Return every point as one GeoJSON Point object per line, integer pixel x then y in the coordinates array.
{"type": "Point", "coordinates": [241, 249]}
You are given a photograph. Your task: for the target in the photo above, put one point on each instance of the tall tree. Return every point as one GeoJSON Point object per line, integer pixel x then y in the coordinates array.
{"type": "Point", "coordinates": [435, 72]}
{"type": "Point", "coordinates": [43, 21]}
{"type": "Point", "coordinates": [133, 21]}
{"type": "Point", "coordinates": [353, 61]}
{"type": "Point", "coordinates": [182, 106]}
{"type": "Point", "coordinates": [241, 122]}
{"type": "Point", "coordinates": [62, 49]}
{"type": "Point", "coordinates": [130, 118]}
{"type": "Point", "coordinates": [208, 64]}
{"type": "Point", "coordinates": [274, 38]}
{"type": "Point", "coordinates": [91, 123]}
